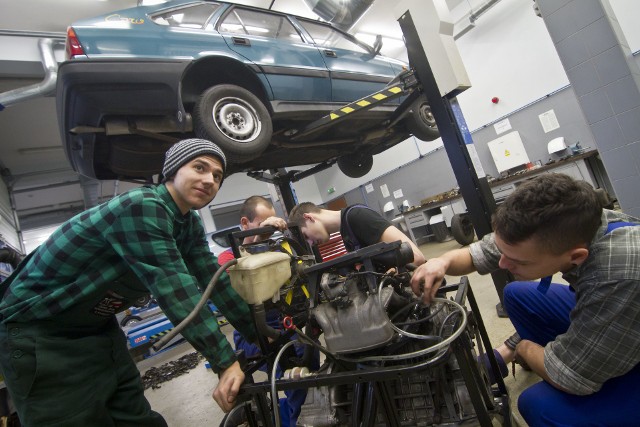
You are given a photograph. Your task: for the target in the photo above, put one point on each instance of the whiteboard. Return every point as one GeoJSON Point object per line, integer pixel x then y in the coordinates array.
{"type": "Point", "coordinates": [508, 151]}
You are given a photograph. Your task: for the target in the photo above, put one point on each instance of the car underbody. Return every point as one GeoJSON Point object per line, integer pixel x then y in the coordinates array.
{"type": "Point", "coordinates": [117, 121]}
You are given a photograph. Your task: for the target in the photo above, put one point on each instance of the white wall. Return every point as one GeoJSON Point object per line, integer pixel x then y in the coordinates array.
{"type": "Point", "coordinates": [509, 54]}
{"type": "Point", "coordinates": [627, 12]}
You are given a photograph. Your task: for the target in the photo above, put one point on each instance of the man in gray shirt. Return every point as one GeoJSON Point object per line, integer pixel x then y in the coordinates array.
{"type": "Point", "coordinates": [582, 339]}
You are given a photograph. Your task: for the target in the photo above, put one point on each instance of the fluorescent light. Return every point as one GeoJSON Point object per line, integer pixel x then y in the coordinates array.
{"type": "Point", "coordinates": [150, 2]}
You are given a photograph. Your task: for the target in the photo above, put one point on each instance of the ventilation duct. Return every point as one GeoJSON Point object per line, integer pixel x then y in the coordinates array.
{"type": "Point", "coordinates": [342, 13]}
{"type": "Point", "coordinates": [41, 89]}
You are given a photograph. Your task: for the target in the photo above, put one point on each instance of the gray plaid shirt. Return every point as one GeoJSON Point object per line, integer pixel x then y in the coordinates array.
{"type": "Point", "coordinates": [603, 340]}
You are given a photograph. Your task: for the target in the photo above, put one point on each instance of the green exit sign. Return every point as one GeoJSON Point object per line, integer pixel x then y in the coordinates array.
{"type": "Point", "coordinates": [331, 190]}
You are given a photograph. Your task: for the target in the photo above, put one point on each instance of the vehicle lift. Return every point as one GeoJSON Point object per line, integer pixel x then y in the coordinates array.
{"type": "Point", "coordinates": [142, 335]}
{"type": "Point", "coordinates": [441, 91]}
{"type": "Point", "coordinates": [441, 81]}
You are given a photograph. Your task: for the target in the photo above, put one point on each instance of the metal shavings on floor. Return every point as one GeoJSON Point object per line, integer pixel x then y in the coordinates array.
{"type": "Point", "coordinates": [157, 375]}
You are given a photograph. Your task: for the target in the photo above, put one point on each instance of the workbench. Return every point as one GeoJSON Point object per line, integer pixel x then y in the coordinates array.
{"type": "Point", "coordinates": [424, 223]}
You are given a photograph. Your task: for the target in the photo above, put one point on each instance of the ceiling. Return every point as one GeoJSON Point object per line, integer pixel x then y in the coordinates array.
{"type": "Point", "coordinates": [45, 190]}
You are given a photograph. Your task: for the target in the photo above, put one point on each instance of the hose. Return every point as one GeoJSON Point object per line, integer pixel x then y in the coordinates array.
{"type": "Point", "coordinates": [442, 344]}
{"type": "Point", "coordinates": [275, 404]}
{"type": "Point", "coordinates": [203, 300]}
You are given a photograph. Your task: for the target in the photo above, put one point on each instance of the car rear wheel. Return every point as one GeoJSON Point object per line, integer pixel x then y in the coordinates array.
{"type": "Point", "coordinates": [355, 166]}
{"type": "Point", "coordinates": [420, 121]}
{"type": "Point", "coordinates": [235, 119]}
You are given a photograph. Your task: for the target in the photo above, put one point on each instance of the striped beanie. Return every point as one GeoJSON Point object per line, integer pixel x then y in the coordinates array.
{"type": "Point", "coordinates": [187, 149]}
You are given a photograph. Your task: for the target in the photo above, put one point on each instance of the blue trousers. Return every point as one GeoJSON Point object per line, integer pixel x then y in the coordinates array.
{"type": "Point", "coordinates": [540, 318]}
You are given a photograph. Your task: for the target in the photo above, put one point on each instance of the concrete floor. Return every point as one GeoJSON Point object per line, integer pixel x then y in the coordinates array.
{"type": "Point", "coordinates": [186, 400]}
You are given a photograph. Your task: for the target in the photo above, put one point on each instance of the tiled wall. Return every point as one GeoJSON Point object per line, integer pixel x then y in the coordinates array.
{"type": "Point", "coordinates": [606, 79]}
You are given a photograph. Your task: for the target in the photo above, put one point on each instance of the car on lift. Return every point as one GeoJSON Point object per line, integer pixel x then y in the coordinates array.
{"type": "Point", "coordinates": [137, 80]}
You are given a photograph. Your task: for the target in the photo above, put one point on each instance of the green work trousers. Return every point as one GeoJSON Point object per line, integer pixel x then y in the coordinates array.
{"type": "Point", "coordinates": [73, 376]}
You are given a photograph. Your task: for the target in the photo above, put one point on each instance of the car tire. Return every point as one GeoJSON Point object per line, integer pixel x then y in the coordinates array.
{"type": "Point", "coordinates": [420, 121]}
{"type": "Point", "coordinates": [235, 119]}
{"type": "Point", "coordinates": [130, 320]}
{"type": "Point", "coordinates": [462, 229]}
{"type": "Point", "coordinates": [355, 166]}
{"type": "Point", "coordinates": [142, 301]}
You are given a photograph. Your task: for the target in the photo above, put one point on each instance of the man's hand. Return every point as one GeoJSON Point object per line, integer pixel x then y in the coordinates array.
{"type": "Point", "coordinates": [276, 222]}
{"type": "Point", "coordinates": [228, 387]}
{"type": "Point", "coordinates": [427, 279]}
{"type": "Point", "coordinates": [273, 221]}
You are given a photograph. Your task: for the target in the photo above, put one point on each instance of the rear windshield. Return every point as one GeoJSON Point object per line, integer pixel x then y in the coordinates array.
{"type": "Point", "coordinates": [191, 16]}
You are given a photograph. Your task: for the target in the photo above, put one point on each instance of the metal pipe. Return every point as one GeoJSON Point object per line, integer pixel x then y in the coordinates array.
{"type": "Point", "coordinates": [475, 15]}
{"type": "Point", "coordinates": [342, 14]}
{"type": "Point", "coordinates": [43, 88]}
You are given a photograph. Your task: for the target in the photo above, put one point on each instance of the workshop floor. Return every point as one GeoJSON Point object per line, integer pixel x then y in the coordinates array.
{"type": "Point", "coordinates": [186, 400]}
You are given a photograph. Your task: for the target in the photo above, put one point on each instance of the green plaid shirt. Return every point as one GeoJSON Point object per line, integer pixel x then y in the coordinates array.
{"type": "Point", "coordinates": [142, 239]}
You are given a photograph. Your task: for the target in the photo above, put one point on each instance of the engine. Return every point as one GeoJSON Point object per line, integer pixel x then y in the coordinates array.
{"type": "Point", "coordinates": [360, 311]}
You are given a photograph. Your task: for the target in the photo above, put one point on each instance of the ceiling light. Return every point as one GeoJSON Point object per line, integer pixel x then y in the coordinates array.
{"type": "Point", "coordinates": [150, 2]}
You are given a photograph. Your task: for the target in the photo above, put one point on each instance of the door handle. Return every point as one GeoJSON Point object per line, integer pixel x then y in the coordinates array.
{"type": "Point", "coordinates": [330, 53]}
{"type": "Point", "coordinates": [241, 41]}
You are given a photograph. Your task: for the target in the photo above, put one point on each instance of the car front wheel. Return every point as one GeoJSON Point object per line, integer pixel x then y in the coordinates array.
{"type": "Point", "coordinates": [420, 121]}
{"type": "Point", "coordinates": [235, 119]}
{"type": "Point", "coordinates": [355, 166]}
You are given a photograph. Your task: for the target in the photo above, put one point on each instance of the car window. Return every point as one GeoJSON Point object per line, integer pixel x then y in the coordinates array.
{"type": "Point", "coordinates": [325, 36]}
{"type": "Point", "coordinates": [193, 16]}
{"type": "Point", "coordinates": [254, 23]}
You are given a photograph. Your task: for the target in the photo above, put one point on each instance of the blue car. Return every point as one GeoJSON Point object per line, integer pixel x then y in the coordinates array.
{"type": "Point", "coordinates": [250, 79]}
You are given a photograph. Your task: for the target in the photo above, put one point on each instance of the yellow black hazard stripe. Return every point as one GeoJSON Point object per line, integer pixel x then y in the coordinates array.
{"type": "Point", "coordinates": [159, 334]}
{"type": "Point", "coordinates": [366, 102]}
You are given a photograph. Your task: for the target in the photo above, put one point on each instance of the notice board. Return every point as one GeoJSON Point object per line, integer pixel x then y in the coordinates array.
{"type": "Point", "coordinates": [508, 151]}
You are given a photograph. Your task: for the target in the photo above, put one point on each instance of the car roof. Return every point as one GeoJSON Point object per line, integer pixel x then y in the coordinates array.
{"type": "Point", "coordinates": [171, 4]}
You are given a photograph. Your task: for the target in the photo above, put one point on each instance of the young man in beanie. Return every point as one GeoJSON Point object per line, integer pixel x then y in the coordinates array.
{"type": "Point", "coordinates": [583, 339]}
{"type": "Point", "coordinates": [63, 356]}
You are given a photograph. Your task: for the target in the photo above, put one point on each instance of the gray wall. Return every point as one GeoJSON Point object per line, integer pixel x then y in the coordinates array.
{"type": "Point", "coordinates": [432, 174]}
{"type": "Point", "coordinates": [597, 58]}
{"type": "Point", "coordinates": [422, 178]}
{"type": "Point", "coordinates": [573, 128]}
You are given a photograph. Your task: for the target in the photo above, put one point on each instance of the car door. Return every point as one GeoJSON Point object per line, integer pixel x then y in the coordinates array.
{"type": "Point", "coordinates": [294, 68]}
{"type": "Point", "coordinates": [355, 71]}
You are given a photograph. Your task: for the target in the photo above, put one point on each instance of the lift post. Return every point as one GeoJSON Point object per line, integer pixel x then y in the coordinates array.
{"type": "Point", "coordinates": [441, 81]}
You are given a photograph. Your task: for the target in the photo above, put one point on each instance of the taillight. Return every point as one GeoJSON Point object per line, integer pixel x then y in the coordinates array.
{"type": "Point", "coordinates": [73, 48]}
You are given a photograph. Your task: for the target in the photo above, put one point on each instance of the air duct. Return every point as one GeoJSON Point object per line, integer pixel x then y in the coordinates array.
{"type": "Point", "coordinates": [342, 13]}
{"type": "Point", "coordinates": [40, 89]}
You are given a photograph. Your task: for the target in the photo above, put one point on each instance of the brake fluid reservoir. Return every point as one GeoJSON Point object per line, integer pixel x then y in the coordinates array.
{"type": "Point", "coordinates": [258, 277]}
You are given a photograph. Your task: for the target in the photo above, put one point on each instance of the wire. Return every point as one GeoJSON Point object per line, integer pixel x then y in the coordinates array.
{"type": "Point", "coordinates": [229, 415]}
{"type": "Point", "coordinates": [275, 404]}
{"type": "Point", "coordinates": [444, 343]}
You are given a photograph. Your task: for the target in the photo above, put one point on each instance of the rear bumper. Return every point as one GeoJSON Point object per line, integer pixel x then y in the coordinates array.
{"type": "Point", "coordinates": [87, 91]}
